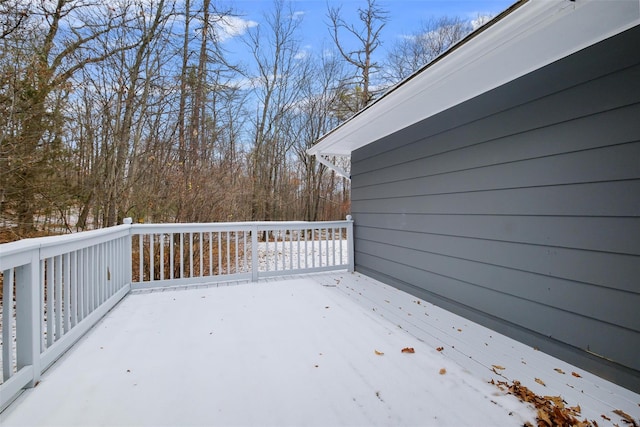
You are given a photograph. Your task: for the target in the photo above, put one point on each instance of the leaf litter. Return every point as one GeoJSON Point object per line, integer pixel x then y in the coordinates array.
{"type": "Point", "coordinates": [552, 411]}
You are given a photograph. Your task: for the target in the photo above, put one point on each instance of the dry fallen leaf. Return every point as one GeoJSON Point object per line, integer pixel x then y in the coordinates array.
{"type": "Point", "coordinates": [605, 417]}
{"type": "Point", "coordinates": [440, 348]}
{"type": "Point", "coordinates": [557, 400]}
{"type": "Point", "coordinates": [544, 416]}
{"type": "Point", "coordinates": [408, 350]}
{"type": "Point", "coordinates": [379, 353]}
{"type": "Point", "coordinates": [539, 381]}
{"type": "Point", "coordinates": [443, 371]}
{"type": "Point", "coordinates": [558, 370]}
{"type": "Point", "coordinates": [626, 417]}
{"type": "Point", "coordinates": [498, 367]}
{"type": "Point", "coordinates": [575, 374]}
{"type": "Point", "coordinates": [551, 410]}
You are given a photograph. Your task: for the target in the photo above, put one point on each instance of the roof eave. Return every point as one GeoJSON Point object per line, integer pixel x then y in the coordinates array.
{"type": "Point", "coordinates": [537, 33]}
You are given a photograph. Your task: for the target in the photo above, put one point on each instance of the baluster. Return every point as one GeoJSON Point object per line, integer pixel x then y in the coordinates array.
{"type": "Point", "coordinates": [181, 255]}
{"type": "Point", "coordinates": [210, 254]}
{"type": "Point", "coordinates": [152, 258]}
{"type": "Point", "coordinates": [161, 242]}
{"type": "Point", "coordinates": [67, 291]}
{"type": "Point", "coordinates": [140, 258]}
{"type": "Point", "coordinates": [171, 255]}
{"type": "Point", "coordinates": [57, 285]}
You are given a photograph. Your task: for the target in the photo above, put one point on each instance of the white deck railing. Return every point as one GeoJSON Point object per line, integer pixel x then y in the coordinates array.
{"type": "Point", "coordinates": [56, 288]}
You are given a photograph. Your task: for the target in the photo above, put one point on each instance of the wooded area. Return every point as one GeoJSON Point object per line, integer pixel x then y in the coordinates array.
{"type": "Point", "coordinates": [135, 108]}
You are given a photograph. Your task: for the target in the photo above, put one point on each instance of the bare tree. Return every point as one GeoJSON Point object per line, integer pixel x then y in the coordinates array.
{"type": "Point", "coordinates": [320, 95]}
{"type": "Point", "coordinates": [66, 37]}
{"type": "Point", "coordinates": [414, 51]}
{"type": "Point", "coordinates": [12, 15]}
{"type": "Point", "coordinates": [372, 19]}
{"type": "Point", "coordinates": [276, 91]}
{"type": "Point", "coordinates": [203, 95]}
{"type": "Point", "coordinates": [131, 99]}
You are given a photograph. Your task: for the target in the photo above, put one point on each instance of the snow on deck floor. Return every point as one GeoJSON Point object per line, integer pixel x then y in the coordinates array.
{"type": "Point", "coordinates": [299, 351]}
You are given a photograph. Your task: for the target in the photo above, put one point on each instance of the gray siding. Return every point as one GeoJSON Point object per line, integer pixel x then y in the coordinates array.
{"type": "Point", "coordinates": [520, 208]}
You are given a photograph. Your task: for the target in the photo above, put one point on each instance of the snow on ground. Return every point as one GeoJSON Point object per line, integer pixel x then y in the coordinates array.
{"type": "Point", "coordinates": [282, 353]}
{"type": "Point", "coordinates": [272, 256]}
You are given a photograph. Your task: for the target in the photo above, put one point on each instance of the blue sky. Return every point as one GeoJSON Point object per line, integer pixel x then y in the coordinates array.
{"type": "Point", "coordinates": [405, 16]}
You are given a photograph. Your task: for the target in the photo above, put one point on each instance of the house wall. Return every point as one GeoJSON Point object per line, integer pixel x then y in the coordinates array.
{"type": "Point", "coordinates": [520, 208]}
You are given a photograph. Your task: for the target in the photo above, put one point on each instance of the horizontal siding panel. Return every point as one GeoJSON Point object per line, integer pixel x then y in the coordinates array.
{"type": "Point", "coordinates": [575, 297]}
{"type": "Point", "coordinates": [620, 162]}
{"type": "Point", "coordinates": [610, 234]}
{"type": "Point", "coordinates": [598, 199]}
{"type": "Point", "coordinates": [611, 128]}
{"type": "Point", "coordinates": [447, 151]}
{"type": "Point", "coordinates": [582, 332]}
{"type": "Point", "coordinates": [474, 122]}
{"type": "Point", "coordinates": [603, 269]}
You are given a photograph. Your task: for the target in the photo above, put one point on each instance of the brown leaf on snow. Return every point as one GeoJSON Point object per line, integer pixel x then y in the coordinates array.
{"type": "Point", "coordinates": [544, 417]}
{"type": "Point", "coordinates": [625, 417]}
{"type": "Point", "coordinates": [379, 353]}
{"type": "Point", "coordinates": [539, 381]}
{"type": "Point", "coordinates": [558, 370]}
{"type": "Point", "coordinates": [551, 410]}
{"type": "Point", "coordinates": [440, 348]}
{"type": "Point", "coordinates": [575, 374]}
{"type": "Point", "coordinates": [557, 400]}
{"type": "Point", "coordinates": [443, 371]}
{"type": "Point", "coordinates": [605, 417]}
{"type": "Point", "coordinates": [498, 367]}
{"type": "Point", "coordinates": [408, 350]}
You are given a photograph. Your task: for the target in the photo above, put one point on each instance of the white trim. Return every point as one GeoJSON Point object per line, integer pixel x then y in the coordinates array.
{"type": "Point", "coordinates": [533, 35]}
{"type": "Point", "coordinates": [323, 158]}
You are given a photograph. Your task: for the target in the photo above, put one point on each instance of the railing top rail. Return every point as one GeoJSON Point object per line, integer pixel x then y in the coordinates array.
{"type": "Point", "coordinates": [230, 226]}
{"type": "Point", "coordinates": [10, 253]}
{"type": "Point", "coordinates": [15, 253]}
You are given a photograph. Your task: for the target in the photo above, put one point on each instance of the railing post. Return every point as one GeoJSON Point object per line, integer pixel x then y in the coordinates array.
{"type": "Point", "coordinates": [28, 316]}
{"type": "Point", "coordinates": [350, 244]}
{"type": "Point", "coordinates": [255, 265]}
{"type": "Point", "coordinates": [129, 252]}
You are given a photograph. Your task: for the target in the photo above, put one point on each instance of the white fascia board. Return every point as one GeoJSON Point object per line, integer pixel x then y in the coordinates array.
{"type": "Point", "coordinates": [535, 34]}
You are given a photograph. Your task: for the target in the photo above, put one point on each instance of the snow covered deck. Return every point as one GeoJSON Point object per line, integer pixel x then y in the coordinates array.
{"type": "Point", "coordinates": [321, 349]}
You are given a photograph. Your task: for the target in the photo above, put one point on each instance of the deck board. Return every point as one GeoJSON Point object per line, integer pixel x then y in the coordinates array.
{"type": "Point", "coordinates": [294, 351]}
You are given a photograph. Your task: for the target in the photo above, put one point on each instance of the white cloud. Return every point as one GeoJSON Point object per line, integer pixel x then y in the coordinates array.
{"type": "Point", "coordinates": [480, 20]}
{"type": "Point", "coordinates": [297, 15]}
{"type": "Point", "coordinates": [303, 53]}
{"type": "Point", "coordinates": [328, 53]}
{"type": "Point", "coordinates": [228, 27]}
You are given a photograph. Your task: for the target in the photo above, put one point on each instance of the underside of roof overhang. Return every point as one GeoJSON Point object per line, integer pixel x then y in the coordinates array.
{"type": "Point", "coordinates": [525, 37]}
